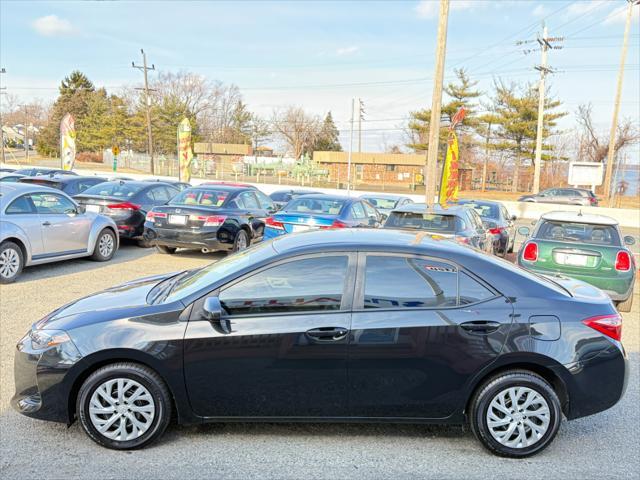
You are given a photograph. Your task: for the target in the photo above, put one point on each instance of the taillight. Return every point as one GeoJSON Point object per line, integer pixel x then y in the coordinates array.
{"type": "Point", "coordinates": [124, 206]}
{"type": "Point", "coordinates": [338, 224]}
{"type": "Point", "coordinates": [463, 240]}
{"type": "Point", "coordinates": [210, 220]}
{"type": "Point", "coordinates": [496, 231]}
{"type": "Point", "coordinates": [593, 200]}
{"type": "Point", "coordinates": [151, 216]}
{"type": "Point", "coordinates": [270, 222]}
{"type": "Point", "coordinates": [610, 325]}
{"type": "Point", "coordinates": [623, 261]}
{"type": "Point", "coordinates": [530, 253]}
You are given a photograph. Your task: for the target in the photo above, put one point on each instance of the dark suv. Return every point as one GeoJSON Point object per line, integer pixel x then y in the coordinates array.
{"type": "Point", "coordinates": [567, 196]}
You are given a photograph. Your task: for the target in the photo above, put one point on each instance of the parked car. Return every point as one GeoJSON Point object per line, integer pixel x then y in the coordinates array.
{"type": "Point", "coordinates": [41, 225]}
{"type": "Point", "coordinates": [282, 197]}
{"type": "Point", "coordinates": [33, 171]}
{"type": "Point", "coordinates": [127, 203]}
{"type": "Point", "coordinates": [69, 184]}
{"type": "Point", "coordinates": [209, 218]}
{"type": "Point", "coordinates": [339, 325]}
{"type": "Point", "coordinates": [569, 196]}
{"type": "Point", "coordinates": [7, 170]}
{"type": "Point", "coordinates": [498, 221]}
{"type": "Point", "coordinates": [179, 185]}
{"type": "Point", "coordinates": [586, 247]}
{"type": "Point", "coordinates": [321, 211]}
{"type": "Point", "coordinates": [461, 224]}
{"type": "Point", "coordinates": [385, 203]}
{"type": "Point", "coordinates": [10, 177]}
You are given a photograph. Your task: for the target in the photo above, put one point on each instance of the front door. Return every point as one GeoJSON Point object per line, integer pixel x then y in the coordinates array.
{"type": "Point", "coordinates": [280, 348]}
{"type": "Point", "coordinates": [421, 329]}
{"type": "Point", "coordinates": [64, 230]}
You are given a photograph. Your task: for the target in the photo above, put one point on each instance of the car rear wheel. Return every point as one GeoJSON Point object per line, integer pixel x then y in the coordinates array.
{"type": "Point", "coordinates": [11, 262]}
{"type": "Point", "coordinates": [105, 247]}
{"type": "Point", "coordinates": [124, 406]}
{"type": "Point", "coordinates": [241, 241]}
{"type": "Point", "coordinates": [516, 414]}
{"type": "Point", "coordinates": [625, 306]}
{"type": "Point", "coordinates": [166, 250]}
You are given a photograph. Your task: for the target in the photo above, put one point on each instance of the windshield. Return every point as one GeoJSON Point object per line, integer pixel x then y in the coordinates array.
{"type": "Point", "coordinates": [206, 197]}
{"type": "Point", "coordinates": [113, 189]}
{"type": "Point", "coordinates": [432, 222]}
{"type": "Point", "coordinates": [196, 280]}
{"type": "Point", "coordinates": [323, 206]}
{"type": "Point", "coordinates": [483, 209]}
{"type": "Point", "coordinates": [384, 203]}
{"type": "Point", "coordinates": [605, 235]}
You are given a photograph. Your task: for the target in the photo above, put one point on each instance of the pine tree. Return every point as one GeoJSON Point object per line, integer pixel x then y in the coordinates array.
{"type": "Point", "coordinates": [329, 138]}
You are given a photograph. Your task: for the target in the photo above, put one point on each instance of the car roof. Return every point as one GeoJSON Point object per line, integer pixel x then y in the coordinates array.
{"type": "Point", "coordinates": [579, 217]}
{"type": "Point", "coordinates": [464, 201]}
{"type": "Point", "coordinates": [296, 190]}
{"type": "Point", "coordinates": [10, 174]}
{"type": "Point", "coordinates": [385, 239]}
{"type": "Point", "coordinates": [8, 191]}
{"type": "Point", "coordinates": [225, 187]}
{"type": "Point", "coordinates": [61, 178]}
{"type": "Point", "coordinates": [388, 196]}
{"type": "Point", "coordinates": [422, 208]}
{"type": "Point", "coordinates": [326, 196]}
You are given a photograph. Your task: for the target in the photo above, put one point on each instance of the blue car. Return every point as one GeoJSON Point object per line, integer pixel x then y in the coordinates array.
{"type": "Point", "coordinates": [320, 211]}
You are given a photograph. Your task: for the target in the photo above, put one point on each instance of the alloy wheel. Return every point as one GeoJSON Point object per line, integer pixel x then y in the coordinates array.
{"type": "Point", "coordinates": [9, 263]}
{"type": "Point", "coordinates": [121, 409]}
{"type": "Point", "coordinates": [241, 242]}
{"type": "Point", "coordinates": [105, 245]}
{"type": "Point", "coordinates": [518, 417]}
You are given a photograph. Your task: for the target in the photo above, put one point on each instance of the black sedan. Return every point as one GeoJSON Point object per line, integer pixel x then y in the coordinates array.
{"type": "Point", "coordinates": [69, 184]}
{"type": "Point", "coordinates": [209, 218]}
{"type": "Point", "coordinates": [499, 222]}
{"type": "Point", "coordinates": [282, 197]}
{"type": "Point", "coordinates": [127, 203]}
{"type": "Point", "coordinates": [342, 325]}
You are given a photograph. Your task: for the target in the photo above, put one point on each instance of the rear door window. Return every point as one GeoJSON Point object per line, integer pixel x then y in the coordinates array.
{"type": "Point", "coordinates": [20, 206]}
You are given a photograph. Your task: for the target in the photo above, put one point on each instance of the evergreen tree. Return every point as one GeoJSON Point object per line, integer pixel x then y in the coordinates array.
{"type": "Point", "coordinates": [329, 137]}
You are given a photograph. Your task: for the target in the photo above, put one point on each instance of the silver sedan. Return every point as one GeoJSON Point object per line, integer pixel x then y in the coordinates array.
{"type": "Point", "coordinates": [41, 225]}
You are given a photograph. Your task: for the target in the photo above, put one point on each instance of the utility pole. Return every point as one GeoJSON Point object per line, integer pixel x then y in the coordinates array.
{"type": "Point", "coordinates": [436, 106]}
{"type": "Point", "coordinates": [616, 108]}
{"type": "Point", "coordinates": [147, 102]}
{"type": "Point", "coordinates": [545, 44]}
{"type": "Point", "coordinates": [2, 92]}
{"type": "Point", "coordinates": [360, 118]}
{"type": "Point", "coordinates": [486, 158]}
{"type": "Point", "coordinates": [350, 150]}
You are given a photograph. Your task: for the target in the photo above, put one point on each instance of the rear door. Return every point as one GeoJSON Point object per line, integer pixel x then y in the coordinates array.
{"type": "Point", "coordinates": [280, 348]}
{"type": "Point", "coordinates": [421, 329]}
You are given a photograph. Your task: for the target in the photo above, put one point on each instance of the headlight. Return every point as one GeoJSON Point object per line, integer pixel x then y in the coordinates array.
{"type": "Point", "coordinates": [43, 339]}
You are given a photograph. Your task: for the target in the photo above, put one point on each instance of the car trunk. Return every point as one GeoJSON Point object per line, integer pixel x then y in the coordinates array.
{"type": "Point", "coordinates": [297, 222]}
{"type": "Point", "coordinates": [184, 217]}
{"type": "Point", "coordinates": [579, 259]}
{"type": "Point", "coordinates": [112, 206]}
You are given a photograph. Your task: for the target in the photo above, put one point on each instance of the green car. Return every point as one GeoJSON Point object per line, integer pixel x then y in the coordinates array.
{"type": "Point", "coordinates": [586, 247]}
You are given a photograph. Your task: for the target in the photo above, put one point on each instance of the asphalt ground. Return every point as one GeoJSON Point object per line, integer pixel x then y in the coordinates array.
{"type": "Point", "coordinates": [601, 446]}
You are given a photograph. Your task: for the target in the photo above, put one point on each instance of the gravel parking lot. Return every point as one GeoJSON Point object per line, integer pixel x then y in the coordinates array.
{"type": "Point", "coordinates": [605, 445]}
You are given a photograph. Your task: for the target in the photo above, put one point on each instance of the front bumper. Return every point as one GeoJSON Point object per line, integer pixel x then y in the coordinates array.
{"type": "Point", "coordinates": [41, 380]}
{"type": "Point", "coordinates": [211, 239]}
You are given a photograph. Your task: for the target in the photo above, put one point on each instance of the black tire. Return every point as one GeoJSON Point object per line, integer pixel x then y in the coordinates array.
{"type": "Point", "coordinates": [241, 242]}
{"type": "Point", "coordinates": [106, 235]}
{"type": "Point", "coordinates": [144, 243]}
{"type": "Point", "coordinates": [625, 305]}
{"type": "Point", "coordinates": [166, 250]}
{"type": "Point", "coordinates": [486, 393]}
{"type": "Point", "coordinates": [144, 376]}
{"type": "Point", "coordinates": [12, 258]}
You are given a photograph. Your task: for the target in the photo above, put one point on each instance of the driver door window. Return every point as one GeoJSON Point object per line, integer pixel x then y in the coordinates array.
{"type": "Point", "coordinates": [64, 231]}
{"type": "Point", "coordinates": [52, 203]}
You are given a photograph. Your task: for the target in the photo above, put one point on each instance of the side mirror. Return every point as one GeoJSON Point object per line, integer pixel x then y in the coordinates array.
{"type": "Point", "coordinates": [629, 240]}
{"type": "Point", "coordinates": [212, 309]}
{"type": "Point", "coordinates": [81, 209]}
{"type": "Point", "coordinates": [525, 231]}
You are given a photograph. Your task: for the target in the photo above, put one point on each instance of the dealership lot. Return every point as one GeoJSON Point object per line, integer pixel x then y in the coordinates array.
{"type": "Point", "coordinates": [605, 442]}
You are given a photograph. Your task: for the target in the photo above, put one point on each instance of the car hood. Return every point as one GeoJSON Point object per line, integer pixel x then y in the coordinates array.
{"type": "Point", "coordinates": [118, 301]}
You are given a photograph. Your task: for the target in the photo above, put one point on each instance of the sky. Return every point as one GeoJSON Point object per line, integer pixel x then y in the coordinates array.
{"type": "Point", "coordinates": [321, 54]}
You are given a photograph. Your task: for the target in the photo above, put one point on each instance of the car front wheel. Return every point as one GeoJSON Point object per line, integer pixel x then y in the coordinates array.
{"type": "Point", "coordinates": [11, 262]}
{"type": "Point", "coordinates": [516, 414]}
{"type": "Point", "coordinates": [124, 406]}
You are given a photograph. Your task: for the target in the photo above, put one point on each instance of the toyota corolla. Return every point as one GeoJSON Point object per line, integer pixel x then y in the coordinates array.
{"type": "Point", "coordinates": [336, 325]}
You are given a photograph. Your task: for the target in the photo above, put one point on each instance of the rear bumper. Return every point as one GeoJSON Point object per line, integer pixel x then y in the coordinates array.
{"type": "Point", "coordinates": [214, 239]}
{"type": "Point", "coordinates": [273, 233]}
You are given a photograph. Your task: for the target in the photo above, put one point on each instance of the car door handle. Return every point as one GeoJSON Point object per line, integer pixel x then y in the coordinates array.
{"type": "Point", "coordinates": [46, 224]}
{"type": "Point", "coordinates": [328, 334]}
{"type": "Point", "coordinates": [482, 327]}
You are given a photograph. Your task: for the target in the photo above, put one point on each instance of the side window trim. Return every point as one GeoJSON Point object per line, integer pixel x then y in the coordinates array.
{"type": "Point", "coordinates": [26, 196]}
{"type": "Point", "coordinates": [347, 292]}
{"type": "Point", "coordinates": [358, 296]}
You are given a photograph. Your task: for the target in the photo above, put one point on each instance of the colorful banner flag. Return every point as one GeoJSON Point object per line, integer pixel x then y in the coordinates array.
{"type": "Point", "coordinates": [185, 155]}
{"type": "Point", "coordinates": [449, 183]}
{"type": "Point", "coordinates": [67, 141]}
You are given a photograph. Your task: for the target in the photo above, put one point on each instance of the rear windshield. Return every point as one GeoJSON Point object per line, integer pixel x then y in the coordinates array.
{"type": "Point", "coordinates": [42, 182]}
{"type": "Point", "coordinates": [205, 197]}
{"type": "Point", "coordinates": [113, 189]}
{"type": "Point", "coordinates": [324, 206]}
{"type": "Point", "coordinates": [578, 233]}
{"type": "Point", "coordinates": [384, 203]}
{"type": "Point", "coordinates": [486, 211]}
{"type": "Point", "coordinates": [432, 222]}
{"type": "Point", "coordinates": [280, 196]}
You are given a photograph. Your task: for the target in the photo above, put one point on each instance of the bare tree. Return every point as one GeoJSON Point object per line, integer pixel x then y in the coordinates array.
{"type": "Point", "coordinates": [593, 145]}
{"type": "Point", "coordinates": [297, 129]}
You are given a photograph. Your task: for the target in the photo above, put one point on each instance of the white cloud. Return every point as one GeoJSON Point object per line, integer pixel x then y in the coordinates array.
{"type": "Point", "coordinates": [581, 7]}
{"type": "Point", "coordinates": [430, 8]}
{"type": "Point", "coordinates": [52, 26]}
{"type": "Point", "coordinates": [539, 11]}
{"type": "Point", "coordinates": [347, 50]}
{"type": "Point", "coordinates": [619, 15]}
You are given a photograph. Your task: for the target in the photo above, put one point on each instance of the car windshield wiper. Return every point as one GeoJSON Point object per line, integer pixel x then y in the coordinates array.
{"type": "Point", "coordinates": [162, 286]}
{"type": "Point", "coordinates": [166, 290]}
